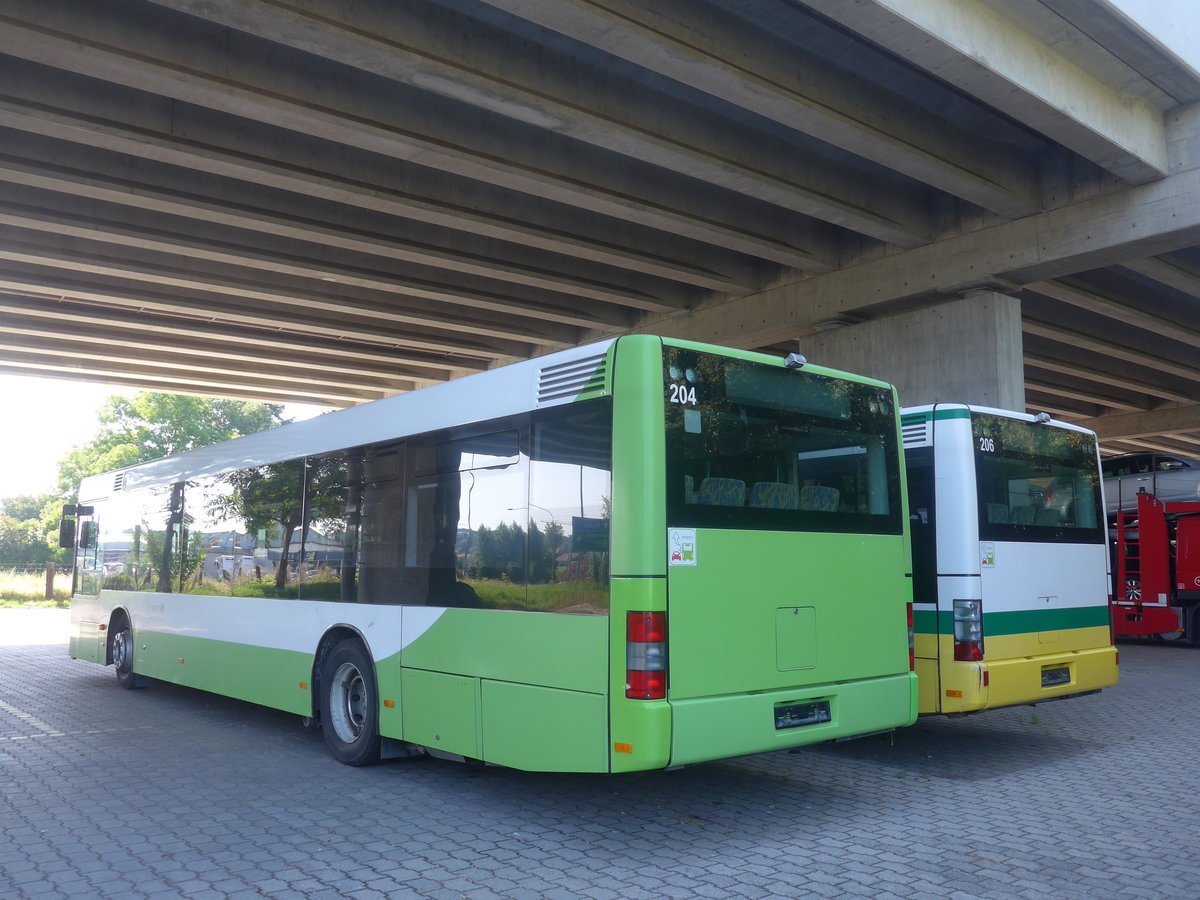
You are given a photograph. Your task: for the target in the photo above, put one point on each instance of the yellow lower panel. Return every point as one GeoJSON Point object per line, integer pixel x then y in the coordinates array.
{"type": "Point", "coordinates": [1011, 672]}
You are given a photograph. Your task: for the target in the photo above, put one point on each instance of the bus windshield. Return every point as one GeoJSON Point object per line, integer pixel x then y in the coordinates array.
{"type": "Point", "coordinates": [755, 446]}
{"type": "Point", "coordinates": [1036, 482]}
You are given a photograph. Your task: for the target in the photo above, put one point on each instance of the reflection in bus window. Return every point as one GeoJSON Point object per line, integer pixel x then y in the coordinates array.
{"type": "Point", "coordinates": [762, 447]}
{"type": "Point", "coordinates": [570, 491]}
{"type": "Point", "coordinates": [1035, 483]}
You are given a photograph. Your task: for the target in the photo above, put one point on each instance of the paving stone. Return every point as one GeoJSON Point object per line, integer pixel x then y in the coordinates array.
{"type": "Point", "coordinates": [169, 792]}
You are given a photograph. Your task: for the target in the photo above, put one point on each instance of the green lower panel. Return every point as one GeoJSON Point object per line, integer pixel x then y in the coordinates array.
{"type": "Point", "coordinates": [542, 729]}
{"type": "Point", "coordinates": [552, 649]}
{"type": "Point", "coordinates": [441, 711]}
{"type": "Point", "coordinates": [255, 674]}
{"type": "Point", "coordinates": [718, 727]}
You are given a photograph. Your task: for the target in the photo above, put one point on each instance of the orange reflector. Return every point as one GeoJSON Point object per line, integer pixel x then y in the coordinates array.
{"type": "Point", "coordinates": [953, 693]}
{"type": "Point", "coordinates": [103, 627]}
{"type": "Point", "coordinates": [390, 704]}
{"type": "Point", "coordinates": [623, 748]}
{"type": "Point", "coordinates": [304, 685]}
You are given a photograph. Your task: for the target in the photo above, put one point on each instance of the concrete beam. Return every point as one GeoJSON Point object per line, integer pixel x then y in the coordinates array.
{"type": "Point", "coordinates": [241, 271]}
{"type": "Point", "coordinates": [210, 382]}
{"type": "Point", "coordinates": [1127, 40]}
{"type": "Point", "coordinates": [1146, 424]}
{"type": "Point", "coordinates": [324, 101]}
{"type": "Point", "coordinates": [1125, 313]}
{"type": "Point", "coordinates": [1057, 331]}
{"type": "Point", "coordinates": [197, 305]}
{"type": "Point", "coordinates": [1168, 272]}
{"type": "Point", "coordinates": [434, 49]}
{"type": "Point", "coordinates": [17, 343]}
{"type": "Point", "coordinates": [1136, 222]}
{"type": "Point", "coordinates": [161, 336]}
{"type": "Point", "coordinates": [717, 52]}
{"type": "Point", "coordinates": [1093, 371]}
{"type": "Point", "coordinates": [60, 105]}
{"type": "Point", "coordinates": [1037, 380]}
{"type": "Point", "coordinates": [328, 226]}
{"type": "Point", "coordinates": [968, 45]}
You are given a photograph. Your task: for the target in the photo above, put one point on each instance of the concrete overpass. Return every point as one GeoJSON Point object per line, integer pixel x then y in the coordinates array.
{"type": "Point", "coordinates": [332, 202]}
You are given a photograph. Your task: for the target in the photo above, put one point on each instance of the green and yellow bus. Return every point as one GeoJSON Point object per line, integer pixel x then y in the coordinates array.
{"type": "Point", "coordinates": [1010, 560]}
{"type": "Point", "coordinates": [633, 555]}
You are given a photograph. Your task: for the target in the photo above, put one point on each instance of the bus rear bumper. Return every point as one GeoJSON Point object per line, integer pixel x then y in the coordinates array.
{"type": "Point", "coordinates": [707, 728]}
{"type": "Point", "coordinates": [970, 687]}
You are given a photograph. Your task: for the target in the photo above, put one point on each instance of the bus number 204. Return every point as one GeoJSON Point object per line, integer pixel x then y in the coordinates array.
{"type": "Point", "coordinates": [681, 393]}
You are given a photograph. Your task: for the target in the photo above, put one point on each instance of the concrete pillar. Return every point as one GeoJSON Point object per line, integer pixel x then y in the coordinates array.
{"type": "Point", "coordinates": [964, 351]}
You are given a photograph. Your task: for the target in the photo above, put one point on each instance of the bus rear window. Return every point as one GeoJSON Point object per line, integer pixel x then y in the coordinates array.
{"type": "Point", "coordinates": [757, 446]}
{"type": "Point", "coordinates": [1036, 482]}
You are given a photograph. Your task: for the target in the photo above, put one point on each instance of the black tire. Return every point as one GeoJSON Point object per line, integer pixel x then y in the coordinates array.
{"type": "Point", "coordinates": [122, 653]}
{"type": "Point", "coordinates": [350, 705]}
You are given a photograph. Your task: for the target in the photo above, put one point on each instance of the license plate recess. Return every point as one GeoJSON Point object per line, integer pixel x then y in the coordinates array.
{"type": "Point", "coordinates": [1056, 675]}
{"type": "Point", "coordinates": [797, 715]}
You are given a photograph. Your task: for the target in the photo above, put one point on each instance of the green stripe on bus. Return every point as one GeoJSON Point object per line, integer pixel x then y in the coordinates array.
{"type": "Point", "coordinates": [1026, 621]}
{"type": "Point", "coordinates": [917, 418]}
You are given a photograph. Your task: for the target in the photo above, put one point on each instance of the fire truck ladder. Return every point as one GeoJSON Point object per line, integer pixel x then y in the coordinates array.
{"type": "Point", "coordinates": [1129, 559]}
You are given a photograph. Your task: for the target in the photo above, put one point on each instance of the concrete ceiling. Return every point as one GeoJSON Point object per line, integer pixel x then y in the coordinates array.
{"type": "Point", "coordinates": [330, 202]}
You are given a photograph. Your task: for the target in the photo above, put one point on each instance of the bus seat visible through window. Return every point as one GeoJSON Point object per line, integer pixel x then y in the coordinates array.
{"type": "Point", "coordinates": [1047, 516]}
{"type": "Point", "coordinates": [997, 513]}
{"type": "Point", "coordinates": [773, 495]}
{"type": "Point", "coordinates": [1022, 515]}
{"type": "Point", "coordinates": [819, 498]}
{"type": "Point", "coordinates": [722, 492]}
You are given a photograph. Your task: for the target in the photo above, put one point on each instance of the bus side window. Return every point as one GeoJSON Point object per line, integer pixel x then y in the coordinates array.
{"type": "Point", "coordinates": [466, 515]}
{"type": "Point", "coordinates": [919, 462]}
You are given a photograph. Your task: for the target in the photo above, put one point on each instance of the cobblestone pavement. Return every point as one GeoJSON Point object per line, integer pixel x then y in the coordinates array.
{"type": "Point", "coordinates": [169, 792]}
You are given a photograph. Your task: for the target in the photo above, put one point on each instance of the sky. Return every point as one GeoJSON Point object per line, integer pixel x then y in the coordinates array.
{"type": "Point", "coordinates": [47, 417]}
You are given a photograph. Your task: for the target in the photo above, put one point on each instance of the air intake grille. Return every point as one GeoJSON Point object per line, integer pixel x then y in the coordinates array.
{"type": "Point", "coordinates": [119, 482]}
{"type": "Point", "coordinates": [573, 380]}
{"type": "Point", "coordinates": [915, 434]}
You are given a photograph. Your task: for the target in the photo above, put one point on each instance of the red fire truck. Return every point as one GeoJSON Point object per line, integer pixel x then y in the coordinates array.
{"type": "Point", "coordinates": [1157, 570]}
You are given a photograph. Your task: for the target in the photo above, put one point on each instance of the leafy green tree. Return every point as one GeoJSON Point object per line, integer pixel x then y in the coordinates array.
{"type": "Point", "coordinates": [150, 425]}
{"type": "Point", "coordinates": [23, 539]}
{"type": "Point", "coordinates": [143, 427]}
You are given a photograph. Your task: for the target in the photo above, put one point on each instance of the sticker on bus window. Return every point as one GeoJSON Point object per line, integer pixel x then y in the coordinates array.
{"type": "Point", "coordinates": [681, 546]}
{"type": "Point", "coordinates": [987, 555]}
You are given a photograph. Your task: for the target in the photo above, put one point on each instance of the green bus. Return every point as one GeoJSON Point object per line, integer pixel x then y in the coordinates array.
{"type": "Point", "coordinates": [637, 554]}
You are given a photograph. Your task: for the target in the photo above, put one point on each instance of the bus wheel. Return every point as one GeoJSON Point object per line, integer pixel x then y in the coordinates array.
{"type": "Point", "coordinates": [350, 706]}
{"type": "Point", "coordinates": [122, 652]}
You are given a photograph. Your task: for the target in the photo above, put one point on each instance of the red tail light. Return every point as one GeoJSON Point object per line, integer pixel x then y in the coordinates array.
{"type": "Point", "coordinates": [912, 641]}
{"type": "Point", "coordinates": [646, 656]}
{"type": "Point", "coordinates": [968, 651]}
{"type": "Point", "coordinates": [968, 630]}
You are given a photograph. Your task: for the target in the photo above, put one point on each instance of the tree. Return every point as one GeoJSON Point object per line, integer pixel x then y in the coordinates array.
{"type": "Point", "coordinates": [22, 533]}
{"type": "Point", "coordinates": [150, 425]}
{"type": "Point", "coordinates": [140, 428]}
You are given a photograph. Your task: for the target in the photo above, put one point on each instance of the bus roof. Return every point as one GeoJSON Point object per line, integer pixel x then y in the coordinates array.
{"type": "Point", "coordinates": [948, 410]}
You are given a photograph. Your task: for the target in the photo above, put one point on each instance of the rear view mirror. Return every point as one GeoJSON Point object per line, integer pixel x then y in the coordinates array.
{"type": "Point", "coordinates": [66, 533]}
{"type": "Point", "coordinates": [87, 535]}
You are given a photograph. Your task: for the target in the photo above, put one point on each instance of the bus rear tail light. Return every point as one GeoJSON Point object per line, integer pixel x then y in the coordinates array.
{"type": "Point", "coordinates": [646, 656]}
{"type": "Point", "coordinates": [912, 641]}
{"type": "Point", "coordinates": [968, 630]}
